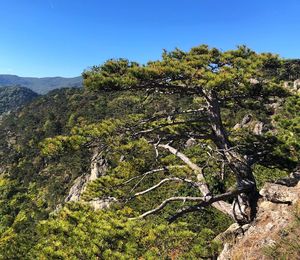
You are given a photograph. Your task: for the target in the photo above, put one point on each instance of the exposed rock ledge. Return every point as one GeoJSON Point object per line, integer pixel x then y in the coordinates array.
{"type": "Point", "coordinates": [275, 213]}
{"type": "Point", "coordinates": [98, 168]}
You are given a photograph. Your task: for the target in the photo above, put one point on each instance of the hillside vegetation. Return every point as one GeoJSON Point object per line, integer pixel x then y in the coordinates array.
{"type": "Point", "coordinates": [147, 161]}
{"type": "Point", "coordinates": [14, 97]}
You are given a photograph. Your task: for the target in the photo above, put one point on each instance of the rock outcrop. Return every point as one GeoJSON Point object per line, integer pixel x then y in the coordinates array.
{"type": "Point", "coordinates": [98, 168]}
{"type": "Point", "coordinates": [98, 204]}
{"type": "Point", "coordinates": [257, 127]}
{"type": "Point", "coordinates": [78, 188]}
{"type": "Point", "coordinates": [292, 86]}
{"type": "Point", "coordinates": [274, 214]}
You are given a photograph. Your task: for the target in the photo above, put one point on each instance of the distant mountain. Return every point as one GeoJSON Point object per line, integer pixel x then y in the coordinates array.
{"type": "Point", "coordinates": [14, 97]}
{"type": "Point", "coordinates": [40, 85]}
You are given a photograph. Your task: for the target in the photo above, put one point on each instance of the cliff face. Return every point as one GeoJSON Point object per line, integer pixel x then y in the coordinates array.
{"type": "Point", "coordinates": [279, 208]}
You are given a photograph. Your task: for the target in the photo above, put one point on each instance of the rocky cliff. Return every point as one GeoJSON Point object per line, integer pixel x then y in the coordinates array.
{"type": "Point", "coordinates": [273, 231]}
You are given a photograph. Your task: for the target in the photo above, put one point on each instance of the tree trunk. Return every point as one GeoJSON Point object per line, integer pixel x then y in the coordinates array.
{"type": "Point", "coordinates": [244, 207]}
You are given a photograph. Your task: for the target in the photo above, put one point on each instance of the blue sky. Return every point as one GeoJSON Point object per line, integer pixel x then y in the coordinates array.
{"type": "Point", "coordinates": [64, 37]}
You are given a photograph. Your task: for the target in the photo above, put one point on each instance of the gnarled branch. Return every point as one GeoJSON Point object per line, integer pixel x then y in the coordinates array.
{"type": "Point", "coordinates": [198, 170]}
{"type": "Point", "coordinates": [162, 182]}
{"type": "Point", "coordinates": [203, 187]}
{"type": "Point", "coordinates": [205, 201]}
{"type": "Point", "coordinates": [166, 202]}
{"type": "Point", "coordinates": [166, 168]}
{"type": "Point", "coordinates": [211, 201]}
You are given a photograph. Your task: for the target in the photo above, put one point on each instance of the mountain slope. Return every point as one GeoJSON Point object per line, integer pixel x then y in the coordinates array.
{"type": "Point", "coordinates": [13, 97]}
{"type": "Point", "coordinates": [40, 85]}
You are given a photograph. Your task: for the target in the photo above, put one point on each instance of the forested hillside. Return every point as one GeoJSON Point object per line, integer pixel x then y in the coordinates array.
{"type": "Point", "coordinates": [148, 161]}
{"type": "Point", "coordinates": [13, 97]}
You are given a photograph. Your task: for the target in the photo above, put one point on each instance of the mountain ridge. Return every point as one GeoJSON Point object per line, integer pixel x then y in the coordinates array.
{"type": "Point", "coordinates": [40, 85]}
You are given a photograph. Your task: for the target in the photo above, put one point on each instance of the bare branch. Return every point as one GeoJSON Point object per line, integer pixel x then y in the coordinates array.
{"type": "Point", "coordinates": [172, 114]}
{"type": "Point", "coordinates": [164, 125]}
{"type": "Point", "coordinates": [165, 203]}
{"type": "Point", "coordinates": [146, 173]}
{"type": "Point", "coordinates": [204, 201]}
{"type": "Point", "coordinates": [183, 136]}
{"type": "Point", "coordinates": [153, 171]}
{"type": "Point", "coordinates": [203, 187]}
{"type": "Point", "coordinates": [155, 148]}
{"type": "Point", "coordinates": [198, 170]}
{"type": "Point", "coordinates": [163, 87]}
{"type": "Point", "coordinates": [164, 181]}
{"type": "Point", "coordinates": [212, 200]}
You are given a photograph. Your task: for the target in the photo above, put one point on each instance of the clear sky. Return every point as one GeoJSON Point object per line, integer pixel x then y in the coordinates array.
{"type": "Point", "coordinates": [64, 37]}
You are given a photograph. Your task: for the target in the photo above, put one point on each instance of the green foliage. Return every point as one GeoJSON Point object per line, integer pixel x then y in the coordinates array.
{"type": "Point", "coordinates": [79, 232]}
{"type": "Point", "coordinates": [288, 127]}
{"type": "Point", "coordinates": [290, 70]}
{"type": "Point", "coordinates": [264, 174]}
{"type": "Point", "coordinates": [58, 144]}
{"type": "Point", "coordinates": [201, 66]}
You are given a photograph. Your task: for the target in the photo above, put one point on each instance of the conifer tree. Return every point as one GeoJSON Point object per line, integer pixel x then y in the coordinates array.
{"type": "Point", "coordinates": [213, 82]}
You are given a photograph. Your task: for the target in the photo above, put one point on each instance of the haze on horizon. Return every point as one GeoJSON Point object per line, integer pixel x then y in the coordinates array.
{"type": "Point", "coordinates": [62, 38]}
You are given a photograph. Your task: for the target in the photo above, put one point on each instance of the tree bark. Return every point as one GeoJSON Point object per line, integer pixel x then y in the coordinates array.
{"type": "Point", "coordinates": [245, 206]}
